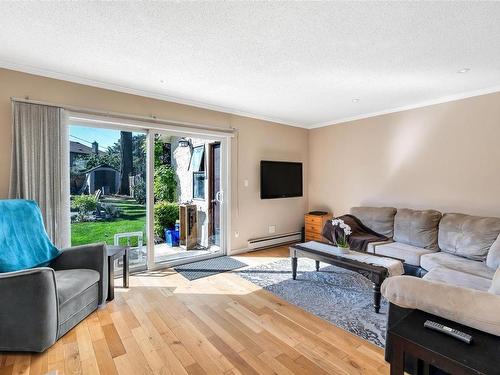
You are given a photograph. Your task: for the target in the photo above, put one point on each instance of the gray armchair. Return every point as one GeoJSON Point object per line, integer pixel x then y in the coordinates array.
{"type": "Point", "coordinates": [39, 305]}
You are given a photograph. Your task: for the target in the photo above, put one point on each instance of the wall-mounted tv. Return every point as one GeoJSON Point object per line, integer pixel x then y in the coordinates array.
{"type": "Point", "coordinates": [279, 179]}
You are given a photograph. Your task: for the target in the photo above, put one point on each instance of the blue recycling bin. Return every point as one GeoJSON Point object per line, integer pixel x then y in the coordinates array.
{"type": "Point", "coordinates": [176, 233]}
{"type": "Point", "coordinates": [172, 237]}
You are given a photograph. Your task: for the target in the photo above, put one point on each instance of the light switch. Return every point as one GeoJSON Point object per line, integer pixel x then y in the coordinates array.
{"type": "Point", "coordinates": [245, 182]}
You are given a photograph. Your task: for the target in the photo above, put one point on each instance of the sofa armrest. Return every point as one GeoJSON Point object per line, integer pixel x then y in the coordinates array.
{"type": "Point", "coordinates": [470, 307]}
{"type": "Point", "coordinates": [92, 257]}
{"type": "Point", "coordinates": [28, 310]}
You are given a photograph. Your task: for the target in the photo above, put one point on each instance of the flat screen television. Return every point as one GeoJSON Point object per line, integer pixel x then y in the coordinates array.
{"type": "Point", "coordinates": [279, 179]}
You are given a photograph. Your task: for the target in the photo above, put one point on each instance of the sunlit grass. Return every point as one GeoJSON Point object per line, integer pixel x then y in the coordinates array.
{"type": "Point", "coordinates": [132, 219]}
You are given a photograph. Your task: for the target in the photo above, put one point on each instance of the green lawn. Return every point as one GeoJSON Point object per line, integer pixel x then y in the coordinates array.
{"type": "Point", "coordinates": [132, 219]}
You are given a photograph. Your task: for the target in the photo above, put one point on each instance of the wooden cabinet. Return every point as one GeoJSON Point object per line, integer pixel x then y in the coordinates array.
{"type": "Point", "coordinates": [314, 226]}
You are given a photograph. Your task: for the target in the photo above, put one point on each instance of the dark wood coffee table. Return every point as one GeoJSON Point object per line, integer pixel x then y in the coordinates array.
{"type": "Point", "coordinates": [376, 274]}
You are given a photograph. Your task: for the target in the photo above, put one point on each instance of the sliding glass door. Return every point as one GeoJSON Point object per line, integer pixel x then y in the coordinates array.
{"type": "Point", "coordinates": [160, 192]}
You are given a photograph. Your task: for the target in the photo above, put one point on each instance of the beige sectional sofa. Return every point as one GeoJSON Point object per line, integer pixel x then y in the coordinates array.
{"type": "Point", "coordinates": [457, 256]}
{"type": "Point", "coordinates": [452, 248]}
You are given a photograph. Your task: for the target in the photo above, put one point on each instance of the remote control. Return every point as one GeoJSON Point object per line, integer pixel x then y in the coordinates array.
{"type": "Point", "coordinates": [462, 336]}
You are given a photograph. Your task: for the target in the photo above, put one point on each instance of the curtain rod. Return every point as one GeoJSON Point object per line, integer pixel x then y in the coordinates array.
{"type": "Point", "coordinates": [124, 116]}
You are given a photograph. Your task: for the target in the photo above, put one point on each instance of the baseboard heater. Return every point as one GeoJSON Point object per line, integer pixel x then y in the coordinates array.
{"type": "Point", "coordinates": [276, 240]}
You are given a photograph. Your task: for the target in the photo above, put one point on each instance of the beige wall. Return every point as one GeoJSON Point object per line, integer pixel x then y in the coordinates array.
{"type": "Point", "coordinates": [257, 140]}
{"type": "Point", "coordinates": [444, 156]}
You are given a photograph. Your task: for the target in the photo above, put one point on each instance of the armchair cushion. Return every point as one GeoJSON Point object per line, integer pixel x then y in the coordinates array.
{"type": "Point", "coordinates": [78, 294]}
{"type": "Point", "coordinates": [92, 257]}
{"type": "Point", "coordinates": [25, 243]}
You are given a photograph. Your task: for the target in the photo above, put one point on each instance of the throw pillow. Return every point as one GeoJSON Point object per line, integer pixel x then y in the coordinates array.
{"type": "Point", "coordinates": [493, 258]}
{"type": "Point", "coordinates": [495, 284]}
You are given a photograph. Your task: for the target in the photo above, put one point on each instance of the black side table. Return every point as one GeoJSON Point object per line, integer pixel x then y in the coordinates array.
{"type": "Point", "coordinates": [428, 349]}
{"type": "Point", "coordinates": [115, 252]}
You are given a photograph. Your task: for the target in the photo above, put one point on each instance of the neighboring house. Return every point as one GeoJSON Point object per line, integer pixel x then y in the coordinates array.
{"type": "Point", "coordinates": [103, 177]}
{"type": "Point", "coordinates": [78, 153]}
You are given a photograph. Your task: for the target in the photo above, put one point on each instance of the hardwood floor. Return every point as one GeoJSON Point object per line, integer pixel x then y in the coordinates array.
{"type": "Point", "coordinates": [223, 324]}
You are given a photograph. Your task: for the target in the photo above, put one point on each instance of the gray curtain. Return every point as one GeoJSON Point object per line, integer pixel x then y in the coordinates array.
{"type": "Point", "coordinates": [40, 164]}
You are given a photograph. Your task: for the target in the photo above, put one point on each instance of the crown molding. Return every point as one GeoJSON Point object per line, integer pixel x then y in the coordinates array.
{"type": "Point", "coordinates": [148, 94]}
{"type": "Point", "coordinates": [427, 103]}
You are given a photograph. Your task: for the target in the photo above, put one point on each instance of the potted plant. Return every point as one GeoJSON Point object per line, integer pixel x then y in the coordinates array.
{"type": "Point", "coordinates": [342, 236]}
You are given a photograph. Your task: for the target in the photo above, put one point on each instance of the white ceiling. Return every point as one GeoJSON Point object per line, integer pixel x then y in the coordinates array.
{"type": "Point", "coordinates": [300, 63]}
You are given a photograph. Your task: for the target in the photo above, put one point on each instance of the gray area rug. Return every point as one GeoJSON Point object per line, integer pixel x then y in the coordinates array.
{"type": "Point", "coordinates": [209, 267]}
{"type": "Point", "coordinates": [340, 296]}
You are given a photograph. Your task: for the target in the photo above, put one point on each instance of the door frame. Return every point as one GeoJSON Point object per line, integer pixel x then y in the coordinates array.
{"type": "Point", "coordinates": [211, 147]}
{"type": "Point", "coordinates": [224, 136]}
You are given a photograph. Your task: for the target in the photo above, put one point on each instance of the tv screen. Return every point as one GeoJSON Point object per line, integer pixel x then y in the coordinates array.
{"type": "Point", "coordinates": [280, 179]}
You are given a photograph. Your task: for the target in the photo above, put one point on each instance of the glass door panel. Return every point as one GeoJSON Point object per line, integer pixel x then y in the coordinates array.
{"type": "Point", "coordinates": [188, 197]}
{"type": "Point", "coordinates": [108, 189]}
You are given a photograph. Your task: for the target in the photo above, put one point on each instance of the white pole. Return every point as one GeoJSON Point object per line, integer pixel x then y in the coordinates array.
{"type": "Point", "coordinates": [150, 199]}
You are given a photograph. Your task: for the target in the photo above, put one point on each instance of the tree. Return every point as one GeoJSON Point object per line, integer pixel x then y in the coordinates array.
{"type": "Point", "coordinates": [109, 158]}
{"type": "Point", "coordinates": [126, 161]}
{"type": "Point", "coordinates": [139, 154]}
{"type": "Point", "coordinates": [164, 184]}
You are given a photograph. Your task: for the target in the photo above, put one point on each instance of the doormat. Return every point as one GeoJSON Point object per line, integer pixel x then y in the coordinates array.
{"type": "Point", "coordinates": [209, 267]}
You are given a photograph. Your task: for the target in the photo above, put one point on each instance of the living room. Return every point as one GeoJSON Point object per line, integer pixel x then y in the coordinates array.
{"type": "Point", "coordinates": [364, 119]}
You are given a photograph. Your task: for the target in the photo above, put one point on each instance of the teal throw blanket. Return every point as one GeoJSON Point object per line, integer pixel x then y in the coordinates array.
{"type": "Point", "coordinates": [23, 240]}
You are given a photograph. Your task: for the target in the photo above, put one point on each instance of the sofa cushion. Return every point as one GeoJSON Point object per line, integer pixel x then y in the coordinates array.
{"type": "Point", "coordinates": [410, 254]}
{"type": "Point", "coordinates": [457, 278]}
{"type": "Point", "coordinates": [440, 259]}
{"type": "Point", "coordinates": [468, 236]}
{"type": "Point", "coordinates": [417, 227]}
{"type": "Point", "coordinates": [76, 289]}
{"type": "Point", "coordinates": [493, 258]}
{"type": "Point", "coordinates": [378, 219]}
{"type": "Point", "coordinates": [495, 283]}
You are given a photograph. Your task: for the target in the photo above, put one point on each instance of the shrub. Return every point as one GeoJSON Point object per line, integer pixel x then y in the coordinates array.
{"type": "Point", "coordinates": [111, 211]}
{"type": "Point", "coordinates": [139, 191]}
{"type": "Point", "coordinates": [166, 213]}
{"type": "Point", "coordinates": [165, 184]}
{"type": "Point", "coordinates": [84, 204]}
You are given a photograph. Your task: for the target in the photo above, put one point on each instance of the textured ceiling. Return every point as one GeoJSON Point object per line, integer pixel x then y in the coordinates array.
{"type": "Point", "coordinates": [300, 63]}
